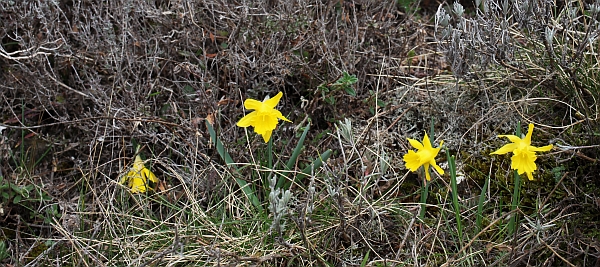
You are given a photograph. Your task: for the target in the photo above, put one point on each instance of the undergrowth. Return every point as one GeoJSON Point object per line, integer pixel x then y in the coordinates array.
{"type": "Point", "coordinates": [96, 94]}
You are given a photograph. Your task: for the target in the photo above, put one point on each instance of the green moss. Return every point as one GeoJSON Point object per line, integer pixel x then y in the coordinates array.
{"type": "Point", "coordinates": [36, 251]}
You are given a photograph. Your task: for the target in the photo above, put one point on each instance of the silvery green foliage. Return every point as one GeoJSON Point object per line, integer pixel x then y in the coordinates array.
{"type": "Point", "coordinates": [459, 10]}
{"type": "Point", "coordinates": [333, 188]}
{"type": "Point", "coordinates": [310, 205]}
{"type": "Point", "coordinates": [278, 205]}
{"type": "Point", "coordinates": [493, 34]}
{"type": "Point", "coordinates": [345, 130]}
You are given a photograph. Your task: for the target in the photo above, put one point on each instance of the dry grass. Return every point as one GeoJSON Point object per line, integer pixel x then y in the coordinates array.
{"type": "Point", "coordinates": [84, 81]}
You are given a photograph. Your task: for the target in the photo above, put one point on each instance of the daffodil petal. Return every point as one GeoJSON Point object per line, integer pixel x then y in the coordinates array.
{"type": "Point", "coordinates": [415, 143]}
{"type": "Point", "coordinates": [271, 103]}
{"type": "Point", "coordinates": [247, 120]}
{"type": "Point", "coordinates": [280, 116]}
{"type": "Point", "coordinates": [284, 118]}
{"type": "Point", "coordinates": [267, 135]}
{"type": "Point", "coordinates": [252, 104]}
{"type": "Point", "coordinates": [541, 149]}
{"type": "Point", "coordinates": [277, 114]}
{"type": "Point", "coordinates": [529, 132]}
{"type": "Point", "coordinates": [426, 142]}
{"type": "Point", "coordinates": [150, 176]}
{"type": "Point", "coordinates": [512, 138]}
{"type": "Point", "coordinates": [437, 168]}
{"type": "Point", "coordinates": [529, 176]}
{"type": "Point", "coordinates": [124, 179]}
{"type": "Point", "coordinates": [427, 175]}
{"type": "Point", "coordinates": [505, 149]}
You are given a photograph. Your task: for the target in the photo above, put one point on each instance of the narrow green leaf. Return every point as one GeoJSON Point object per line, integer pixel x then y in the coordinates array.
{"type": "Point", "coordinates": [295, 154]}
{"type": "Point", "coordinates": [479, 220]}
{"type": "Point", "coordinates": [292, 161]}
{"type": "Point", "coordinates": [229, 161]}
{"type": "Point", "coordinates": [365, 259]}
{"type": "Point", "coordinates": [42, 156]}
{"type": "Point", "coordinates": [317, 163]}
{"type": "Point", "coordinates": [219, 145]}
{"type": "Point", "coordinates": [454, 187]}
{"type": "Point", "coordinates": [432, 131]}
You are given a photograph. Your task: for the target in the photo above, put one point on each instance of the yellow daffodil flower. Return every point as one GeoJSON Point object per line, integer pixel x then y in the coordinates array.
{"type": "Point", "coordinates": [425, 156]}
{"type": "Point", "coordinates": [523, 159]}
{"type": "Point", "coordinates": [264, 118]}
{"type": "Point", "coordinates": [139, 177]}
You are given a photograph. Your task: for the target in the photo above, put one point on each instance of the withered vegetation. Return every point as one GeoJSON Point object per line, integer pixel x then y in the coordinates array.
{"type": "Point", "coordinates": [83, 82]}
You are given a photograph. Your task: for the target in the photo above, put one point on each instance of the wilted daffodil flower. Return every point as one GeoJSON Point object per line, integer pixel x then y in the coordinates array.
{"type": "Point", "coordinates": [424, 156]}
{"type": "Point", "coordinates": [264, 118]}
{"type": "Point", "coordinates": [138, 177]}
{"type": "Point", "coordinates": [523, 159]}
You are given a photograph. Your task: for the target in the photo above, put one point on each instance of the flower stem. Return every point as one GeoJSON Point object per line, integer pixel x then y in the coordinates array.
{"type": "Point", "coordinates": [424, 193]}
{"type": "Point", "coordinates": [270, 154]}
{"type": "Point", "coordinates": [516, 198]}
{"type": "Point", "coordinates": [425, 189]}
